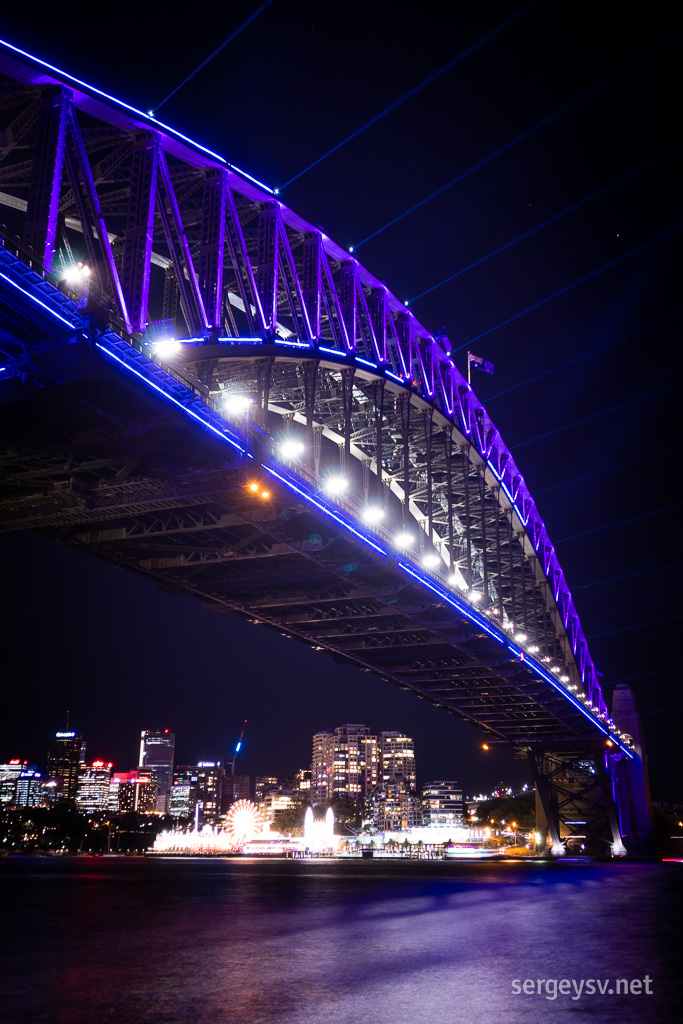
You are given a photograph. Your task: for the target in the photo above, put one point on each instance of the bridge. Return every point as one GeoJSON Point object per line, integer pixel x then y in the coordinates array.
{"type": "Point", "coordinates": [201, 386]}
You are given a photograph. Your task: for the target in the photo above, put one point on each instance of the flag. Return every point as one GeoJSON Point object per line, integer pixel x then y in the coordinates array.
{"type": "Point", "coordinates": [481, 364]}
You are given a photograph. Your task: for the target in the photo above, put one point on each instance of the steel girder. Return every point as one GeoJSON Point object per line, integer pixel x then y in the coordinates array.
{"type": "Point", "coordinates": [575, 808]}
{"type": "Point", "coordinates": [331, 347]}
{"type": "Point", "coordinates": [182, 515]}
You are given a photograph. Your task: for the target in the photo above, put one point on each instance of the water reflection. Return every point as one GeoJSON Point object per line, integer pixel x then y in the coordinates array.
{"type": "Point", "coordinates": [133, 941]}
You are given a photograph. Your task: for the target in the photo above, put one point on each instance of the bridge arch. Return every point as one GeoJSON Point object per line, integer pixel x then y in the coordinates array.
{"type": "Point", "coordinates": [283, 335]}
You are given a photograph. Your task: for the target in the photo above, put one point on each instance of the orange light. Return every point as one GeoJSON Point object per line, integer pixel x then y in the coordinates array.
{"type": "Point", "coordinates": [253, 487]}
{"type": "Point", "coordinates": [609, 743]}
{"type": "Point", "coordinates": [484, 746]}
{"type": "Point", "coordinates": [265, 494]}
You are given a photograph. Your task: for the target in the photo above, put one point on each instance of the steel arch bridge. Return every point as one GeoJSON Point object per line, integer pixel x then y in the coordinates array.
{"type": "Point", "coordinates": [231, 403]}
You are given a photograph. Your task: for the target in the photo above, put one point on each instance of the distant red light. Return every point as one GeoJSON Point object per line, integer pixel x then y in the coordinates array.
{"type": "Point", "coordinates": [15, 760]}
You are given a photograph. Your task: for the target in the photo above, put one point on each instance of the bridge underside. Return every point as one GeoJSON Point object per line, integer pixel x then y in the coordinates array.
{"type": "Point", "coordinates": [469, 609]}
{"type": "Point", "coordinates": [101, 466]}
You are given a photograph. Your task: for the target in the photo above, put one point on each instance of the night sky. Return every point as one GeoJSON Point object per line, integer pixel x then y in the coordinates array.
{"type": "Point", "coordinates": [578, 101]}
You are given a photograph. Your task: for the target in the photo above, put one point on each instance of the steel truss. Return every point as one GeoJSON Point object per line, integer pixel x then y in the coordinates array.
{"type": "Point", "coordinates": [276, 313]}
{"type": "Point", "coordinates": [574, 803]}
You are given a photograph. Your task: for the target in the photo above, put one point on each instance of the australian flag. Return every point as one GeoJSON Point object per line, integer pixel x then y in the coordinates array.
{"type": "Point", "coordinates": [481, 364]}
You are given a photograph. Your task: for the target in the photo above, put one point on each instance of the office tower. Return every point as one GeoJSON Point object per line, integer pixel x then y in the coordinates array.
{"type": "Point", "coordinates": [29, 791]}
{"type": "Point", "coordinates": [64, 761]}
{"type": "Point", "coordinates": [147, 792]}
{"type": "Point", "coordinates": [207, 782]}
{"type": "Point", "coordinates": [133, 791]}
{"type": "Point", "coordinates": [156, 753]}
{"type": "Point", "coordinates": [235, 787]}
{"type": "Point", "coordinates": [442, 804]}
{"type": "Point", "coordinates": [322, 765]}
{"type": "Point", "coordinates": [93, 787]}
{"type": "Point", "coordinates": [9, 776]}
{"type": "Point", "coordinates": [265, 784]}
{"type": "Point", "coordinates": [397, 757]}
{"type": "Point", "coordinates": [183, 798]}
{"type": "Point", "coordinates": [21, 784]}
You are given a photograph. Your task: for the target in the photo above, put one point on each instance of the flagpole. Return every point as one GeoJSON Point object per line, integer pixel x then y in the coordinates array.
{"type": "Point", "coordinates": [469, 372]}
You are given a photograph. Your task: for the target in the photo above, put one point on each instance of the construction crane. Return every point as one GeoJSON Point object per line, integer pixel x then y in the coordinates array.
{"type": "Point", "coordinates": [238, 747]}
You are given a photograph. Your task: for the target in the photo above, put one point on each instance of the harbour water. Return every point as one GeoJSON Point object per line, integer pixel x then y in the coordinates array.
{"type": "Point", "coordinates": [129, 940]}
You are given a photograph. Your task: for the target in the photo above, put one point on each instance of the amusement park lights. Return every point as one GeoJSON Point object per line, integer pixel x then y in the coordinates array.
{"type": "Point", "coordinates": [243, 822]}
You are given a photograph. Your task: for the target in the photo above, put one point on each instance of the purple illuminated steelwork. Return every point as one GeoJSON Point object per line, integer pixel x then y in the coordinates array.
{"type": "Point", "coordinates": [331, 303]}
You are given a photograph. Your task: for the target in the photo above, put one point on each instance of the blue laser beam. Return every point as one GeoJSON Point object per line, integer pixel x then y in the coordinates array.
{"type": "Point", "coordinates": [550, 220]}
{"type": "Point", "coordinates": [215, 52]}
{"type": "Point", "coordinates": [602, 412]}
{"type": "Point", "coordinates": [416, 89]}
{"type": "Point", "coordinates": [565, 108]}
{"type": "Point", "coordinates": [591, 352]}
{"type": "Point", "coordinates": [575, 284]}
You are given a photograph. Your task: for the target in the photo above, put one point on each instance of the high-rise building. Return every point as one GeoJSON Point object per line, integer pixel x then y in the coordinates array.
{"type": "Point", "coordinates": [157, 751]}
{"type": "Point", "coordinates": [93, 787]}
{"type": "Point", "coordinates": [29, 789]}
{"type": "Point", "coordinates": [392, 805]}
{"type": "Point", "coordinates": [303, 781]}
{"type": "Point", "coordinates": [322, 765]}
{"type": "Point", "coordinates": [66, 756]}
{"type": "Point", "coordinates": [183, 798]}
{"type": "Point", "coordinates": [442, 804]}
{"type": "Point", "coordinates": [397, 757]}
{"type": "Point", "coordinates": [9, 776]}
{"type": "Point", "coordinates": [345, 762]}
{"type": "Point", "coordinates": [132, 791]}
{"type": "Point", "coordinates": [265, 784]}
{"type": "Point", "coordinates": [236, 787]}
{"type": "Point", "coordinates": [199, 789]}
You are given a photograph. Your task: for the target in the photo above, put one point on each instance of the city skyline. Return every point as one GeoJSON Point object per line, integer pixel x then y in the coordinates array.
{"type": "Point", "coordinates": [392, 752]}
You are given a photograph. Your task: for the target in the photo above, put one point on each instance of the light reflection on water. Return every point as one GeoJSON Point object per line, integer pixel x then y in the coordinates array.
{"type": "Point", "coordinates": [239, 941]}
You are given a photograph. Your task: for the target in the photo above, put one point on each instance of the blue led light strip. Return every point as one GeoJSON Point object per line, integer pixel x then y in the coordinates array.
{"type": "Point", "coordinates": [190, 412]}
{"type": "Point", "coordinates": [250, 177]}
{"type": "Point", "coordinates": [38, 302]}
{"type": "Point", "coordinates": [293, 344]}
